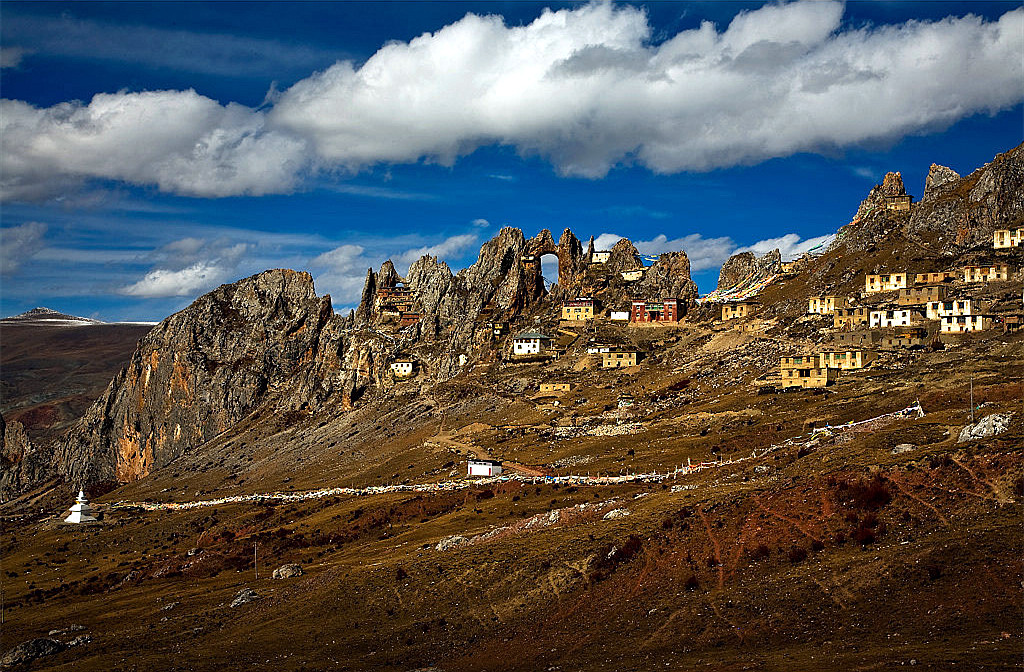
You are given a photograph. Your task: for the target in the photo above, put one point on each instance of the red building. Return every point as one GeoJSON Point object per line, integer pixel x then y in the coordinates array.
{"type": "Point", "coordinates": [666, 310]}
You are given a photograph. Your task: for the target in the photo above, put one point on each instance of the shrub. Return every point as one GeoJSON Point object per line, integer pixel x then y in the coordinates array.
{"type": "Point", "coordinates": [817, 546]}
{"type": "Point", "coordinates": [762, 552]}
{"type": "Point", "coordinates": [797, 554]}
{"type": "Point", "coordinates": [692, 583]}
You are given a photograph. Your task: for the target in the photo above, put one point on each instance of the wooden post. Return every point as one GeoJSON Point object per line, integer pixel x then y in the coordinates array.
{"type": "Point", "coordinates": [255, 568]}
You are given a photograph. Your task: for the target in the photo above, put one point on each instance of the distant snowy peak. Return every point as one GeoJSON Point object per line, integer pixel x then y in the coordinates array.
{"type": "Point", "coordinates": [48, 317]}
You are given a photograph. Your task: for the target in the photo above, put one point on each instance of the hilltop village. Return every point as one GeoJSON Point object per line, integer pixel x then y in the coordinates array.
{"type": "Point", "coordinates": [816, 465]}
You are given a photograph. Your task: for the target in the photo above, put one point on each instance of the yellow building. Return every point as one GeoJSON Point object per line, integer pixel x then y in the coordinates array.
{"type": "Point", "coordinates": [850, 318]}
{"type": "Point", "coordinates": [884, 282]}
{"type": "Point", "coordinates": [826, 305]}
{"type": "Point", "coordinates": [987, 273]}
{"type": "Point", "coordinates": [578, 310]}
{"type": "Point", "coordinates": [798, 362]}
{"type": "Point", "coordinates": [731, 310]}
{"type": "Point", "coordinates": [807, 378]}
{"type": "Point", "coordinates": [555, 388]}
{"type": "Point", "coordinates": [934, 278]}
{"type": "Point", "coordinates": [898, 202]}
{"type": "Point", "coordinates": [619, 359]}
{"type": "Point", "coordinates": [845, 359]}
{"type": "Point", "coordinates": [1004, 238]}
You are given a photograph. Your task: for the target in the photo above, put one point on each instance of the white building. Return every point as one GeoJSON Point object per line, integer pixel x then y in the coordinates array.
{"type": "Point", "coordinates": [620, 316]}
{"type": "Point", "coordinates": [402, 368]}
{"type": "Point", "coordinates": [529, 343]}
{"type": "Point", "coordinates": [633, 275]}
{"type": "Point", "coordinates": [893, 318]}
{"type": "Point", "coordinates": [938, 309]}
{"type": "Point", "coordinates": [484, 468]}
{"type": "Point", "coordinates": [81, 512]}
{"type": "Point", "coordinates": [958, 324]}
{"type": "Point", "coordinates": [600, 256]}
{"type": "Point", "coordinates": [1007, 238]}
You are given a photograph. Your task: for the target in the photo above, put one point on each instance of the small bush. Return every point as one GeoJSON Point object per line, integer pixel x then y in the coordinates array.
{"type": "Point", "coordinates": [797, 554]}
{"type": "Point", "coordinates": [692, 583]}
{"type": "Point", "coordinates": [817, 546]}
{"type": "Point", "coordinates": [401, 574]}
{"type": "Point", "coordinates": [762, 552]}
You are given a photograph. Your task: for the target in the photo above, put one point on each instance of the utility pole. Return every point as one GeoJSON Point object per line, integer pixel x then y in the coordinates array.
{"type": "Point", "coordinates": [972, 400]}
{"type": "Point", "coordinates": [255, 568]}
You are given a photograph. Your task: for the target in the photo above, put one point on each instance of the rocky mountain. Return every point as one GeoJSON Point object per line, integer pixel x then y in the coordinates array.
{"type": "Point", "coordinates": [748, 268]}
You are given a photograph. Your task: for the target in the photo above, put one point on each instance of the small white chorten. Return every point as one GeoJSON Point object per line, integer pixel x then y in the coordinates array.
{"type": "Point", "coordinates": [81, 512]}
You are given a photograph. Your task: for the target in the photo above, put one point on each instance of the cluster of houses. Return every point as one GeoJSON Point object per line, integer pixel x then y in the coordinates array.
{"type": "Point", "coordinates": [920, 300]}
{"type": "Point", "coordinates": [397, 304]}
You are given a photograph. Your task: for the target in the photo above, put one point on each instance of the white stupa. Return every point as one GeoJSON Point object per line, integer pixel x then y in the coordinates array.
{"type": "Point", "coordinates": [81, 512]}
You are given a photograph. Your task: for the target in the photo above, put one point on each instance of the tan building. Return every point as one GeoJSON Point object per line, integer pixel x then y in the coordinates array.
{"type": "Point", "coordinates": [731, 310]}
{"type": "Point", "coordinates": [992, 273]}
{"type": "Point", "coordinates": [845, 359]}
{"type": "Point", "coordinates": [919, 296]}
{"type": "Point", "coordinates": [935, 278]}
{"type": "Point", "coordinates": [898, 203]}
{"type": "Point", "coordinates": [618, 359]}
{"type": "Point", "coordinates": [798, 362]}
{"type": "Point", "coordinates": [600, 256]}
{"type": "Point", "coordinates": [807, 378]}
{"type": "Point", "coordinates": [633, 275]}
{"type": "Point", "coordinates": [850, 318]}
{"type": "Point", "coordinates": [959, 324]}
{"type": "Point", "coordinates": [826, 305]}
{"type": "Point", "coordinates": [936, 310]}
{"type": "Point", "coordinates": [555, 388]}
{"type": "Point", "coordinates": [884, 282]}
{"type": "Point", "coordinates": [578, 310]}
{"type": "Point", "coordinates": [1003, 238]}
{"type": "Point", "coordinates": [856, 339]}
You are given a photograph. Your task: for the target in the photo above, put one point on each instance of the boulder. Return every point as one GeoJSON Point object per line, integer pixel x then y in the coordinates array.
{"type": "Point", "coordinates": [990, 425]}
{"type": "Point", "coordinates": [27, 652]}
{"type": "Point", "coordinates": [449, 543]}
{"type": "Point", "coordinates": [903, 448]}
{"type": "Point", "coordinates": [615, 514]}
{"type": "Point", "coordinates": [288, 571]}
{"type": "Point", "coordinates": [244, 596]}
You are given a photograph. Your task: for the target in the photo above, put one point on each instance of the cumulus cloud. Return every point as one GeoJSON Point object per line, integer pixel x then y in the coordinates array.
{"type": "Point", "coordinates": [178, 140]}
{"type": "Point", "coordinates": [18, 243]}
{"type": "Point", "coordinates": [790, 246]}
{"type": "Point", "coordinates": [586, 88]}
{"type": "Point", "coordinates": [10, 57]}
{"type": "Point", "coordinates": [187, 267]}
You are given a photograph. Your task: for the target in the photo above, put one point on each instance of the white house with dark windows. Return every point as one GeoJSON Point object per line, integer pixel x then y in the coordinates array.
{"type": "Point", "coordinates": [529, 343]}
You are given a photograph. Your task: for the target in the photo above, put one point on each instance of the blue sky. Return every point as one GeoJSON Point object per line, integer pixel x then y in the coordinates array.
{"type": "Point", "coordinates": [152, 151]}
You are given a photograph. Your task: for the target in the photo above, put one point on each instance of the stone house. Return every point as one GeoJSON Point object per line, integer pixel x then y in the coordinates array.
{"type": "Point", "coordinates": [850, 318]}
{"type": "Point", "coordinates": [633, 275]}
{"type": "Point", "coordinates": [809, 377]}
{"type": "Point", "coordinates": [936, 310]}
{"type": "Point", "coordinates": [555, 388]}
{"type": "Point", "coordinates": [859, 338]}
{"type": "Point", "coordinates": [845, 359]}
{"type": "Point", "coordinates": [898, 203]}
{"type": "Point", "coordinates": [995, 272]}
{"type": "Point", "coordinates": [619, 358]}
{"type": "Point", "coordinates": [919, 296]}
{"type": "Point", "coordinates": [959, 324]}
{"type": "Point", "coordinates": [934, 278]}
{"type": "Point", "coordinates": [530, 344]}
{"type": "Point", "coordinates": [884, 282]}
{"type": "Point", "coordinates": [906, 337]}
{"type": "Point", "coordinates": [738, 309]}
{"type": "Point", "coordinates": [578, 310]}
{"type": "Point", "coordinates": [894, 318]}
{"type": "Point", "coordinates": [1003, 238]}
{"type": "Point", "coordinates": [826, 305]}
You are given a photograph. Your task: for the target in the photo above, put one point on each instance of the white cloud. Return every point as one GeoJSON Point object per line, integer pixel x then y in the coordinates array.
{"type": "Point", "coordinates": [189, 266]}
{"type": "Point", "coordinates": [480, 222]}
{"type": "Point", "coordinates": [18, 243]}
{"type": "Point", "coordinates": [179, 140]}
{"type": "Point", "coordinates": [586, 88]}
{"type": "Point", "coordinates": [790, 246]}
{"type": "Point", "coordinates": [185, 282]}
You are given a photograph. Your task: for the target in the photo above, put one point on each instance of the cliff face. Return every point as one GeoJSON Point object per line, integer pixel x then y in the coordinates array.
{"type": "Point", "coordinates": [22, 464]}
{"type": "Point", "coordinates": [954, 214]}
{"type": "Point", "coordinates": [203, 369]}
{"type": "Point", "coordinates": [748, 267]}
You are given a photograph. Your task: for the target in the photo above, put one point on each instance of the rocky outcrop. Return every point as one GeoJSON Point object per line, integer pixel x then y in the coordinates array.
{"type": "Point", "coordinates": [746, 267]}
{"type": "Point", "coordinates": [669, 276]}
{"type": "Point", "coordinates": [939, 177]}
{"type": "Point", "coordinates": [288, 571]}
{"type": "Point", "coordinates": [202, 370]}
{"type": "Point", "coordinates": [990, 425]}
{"type": "Point", "coordinates": [22, 464]}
